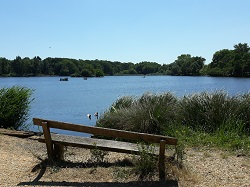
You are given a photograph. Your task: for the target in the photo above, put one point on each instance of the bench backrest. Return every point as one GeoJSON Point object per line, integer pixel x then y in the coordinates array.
{"type": "Point", "coordinates": [106, 131]}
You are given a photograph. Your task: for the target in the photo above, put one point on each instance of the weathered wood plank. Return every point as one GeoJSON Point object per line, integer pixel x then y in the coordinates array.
{"type": "Point", "coordinates": [16, 133]}
{"type": "Point", "coordinates": [106, 132]}
{"type": "Point", "coordinates": [92, 143]}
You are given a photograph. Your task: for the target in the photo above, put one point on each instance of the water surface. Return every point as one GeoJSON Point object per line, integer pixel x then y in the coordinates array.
{"type": "Point", "coordinates": [72, 100]}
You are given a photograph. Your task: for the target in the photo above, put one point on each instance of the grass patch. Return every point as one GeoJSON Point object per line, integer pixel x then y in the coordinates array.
{"type": "Point", "coordinates": [145, 164]}
{"type": "Point", "coordinates": [97, 156]}
{"type": "Point", "coordinates": [231, 141]}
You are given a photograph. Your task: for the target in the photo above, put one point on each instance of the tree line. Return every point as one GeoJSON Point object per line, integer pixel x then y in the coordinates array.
{"type": "Point", "coordinates": [225, 62]}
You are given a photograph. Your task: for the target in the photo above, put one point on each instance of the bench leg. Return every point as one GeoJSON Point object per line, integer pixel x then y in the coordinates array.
{"type": "Point", "coordinates": [59, 151]}
{"type": "Point", "coordinates": [162, 160]}
{"type": "Point", "coordinates": [48, 141]}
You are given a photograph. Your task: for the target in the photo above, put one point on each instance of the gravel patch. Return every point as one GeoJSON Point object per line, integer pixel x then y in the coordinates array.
{"type": "Point", "coordinates": [23, 160]}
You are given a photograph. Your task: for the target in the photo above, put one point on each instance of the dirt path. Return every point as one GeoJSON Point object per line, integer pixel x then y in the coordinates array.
{"type": "Point", "coordinates": [21, 165]}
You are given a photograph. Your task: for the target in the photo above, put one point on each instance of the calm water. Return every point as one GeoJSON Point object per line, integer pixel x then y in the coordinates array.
{"type": "Point", "coordinates": [72, 100]}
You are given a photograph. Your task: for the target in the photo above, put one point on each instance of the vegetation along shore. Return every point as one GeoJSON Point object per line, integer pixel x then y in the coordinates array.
{"type": "Point", "coordinates": [225, 62]}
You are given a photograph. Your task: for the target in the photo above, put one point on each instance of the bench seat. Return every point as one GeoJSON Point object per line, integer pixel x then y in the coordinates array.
{"type": "Point", "coordinates": [92, 143]}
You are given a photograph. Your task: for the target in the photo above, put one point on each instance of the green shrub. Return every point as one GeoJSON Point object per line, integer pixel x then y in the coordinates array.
{"type": "Point", "coordinates": [14, 106]}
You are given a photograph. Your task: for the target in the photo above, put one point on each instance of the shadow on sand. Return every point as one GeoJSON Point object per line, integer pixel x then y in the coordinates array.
{"type": "Point", "coordinates": [168, 183]}
{"type": "Point", "coordinates": [66, 164]}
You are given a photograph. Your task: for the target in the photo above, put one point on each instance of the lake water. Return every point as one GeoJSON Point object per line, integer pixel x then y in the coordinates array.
{"type": "Point", "coordinates": [71, 101]}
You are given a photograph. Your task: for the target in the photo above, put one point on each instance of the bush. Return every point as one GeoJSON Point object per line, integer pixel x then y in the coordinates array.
{"type": "Point", "coordinates": [14, 106]}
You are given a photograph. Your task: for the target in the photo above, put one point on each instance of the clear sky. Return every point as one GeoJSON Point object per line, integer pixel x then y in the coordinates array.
{"type": "Point", "coordinates": [122, 30]}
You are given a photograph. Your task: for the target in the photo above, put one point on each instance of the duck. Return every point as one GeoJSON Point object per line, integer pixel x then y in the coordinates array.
{"type": "Point", "coordinates": [96, 115]}
{"type": "Point", "coordinates": [89, 116]}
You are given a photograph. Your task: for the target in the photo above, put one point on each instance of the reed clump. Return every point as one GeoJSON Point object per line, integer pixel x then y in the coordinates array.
{"type": "Point", "coordinates": [206, 118]}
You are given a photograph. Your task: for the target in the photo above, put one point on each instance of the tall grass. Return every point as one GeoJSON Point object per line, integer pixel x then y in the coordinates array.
{"type": "Point", "coordinates": [210, 112]}
{"type": "Point", "coordinates": [144, 114]}
{"type": "Point", "coordinates": [211, 118]}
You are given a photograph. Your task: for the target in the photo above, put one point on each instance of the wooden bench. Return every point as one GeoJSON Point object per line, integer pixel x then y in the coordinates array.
{"type": "Point", "coordinates": [55, 143]}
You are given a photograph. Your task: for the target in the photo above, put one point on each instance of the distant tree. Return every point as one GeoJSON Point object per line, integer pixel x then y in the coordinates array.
{"type": "Point", "coordinates": [108, 69]}
{"type": "Point", "coordinates": [27, 66]}
{"type": "Point", "coordinates": [234, 63]}
{"type": "Point", "coordinates": [147, 67]}
{"type": "Point", "coordinates": [99, 73]}
{"type": "Point", "coordinates": [64, 71]}
{"type": "Point", "coordinates": [16, 66]}
{"type": "Point", "coordinates": [88, 70]}
{"type": "Point", "coordinates": [204, 70]}
{"type": "Point", "coordinates": [86, 73]}
{"type": "Point", "coordinates": [4, 66]}
{"type": "Point", "coordinates": [132, 71]}
{"type": "Point", "coordinates": [126, 66]}
{"type": "Point", "coordinates": [36, 70]}
{"type": "Point", "coordinates": [70, 66]}
{"type": "Point", "coordinates": [175, 69]}
{"type": "Point", "coordinates": [196, 65]}
{"type": "Point", "coordinates": [48, 66]}
{"type": "Point", "coordinates": [241, 60]}
{"type": "Point", "coordinates": [186, 65]}
{"type": "Point", "coordinates": [241, 48]}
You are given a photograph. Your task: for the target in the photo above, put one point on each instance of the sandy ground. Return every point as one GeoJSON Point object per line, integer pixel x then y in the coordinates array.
{"type": "Point", "coordinates": [23, 164]}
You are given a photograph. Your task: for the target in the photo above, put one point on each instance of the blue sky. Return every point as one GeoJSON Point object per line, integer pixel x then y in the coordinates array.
{"type": "Point", "coordinates": [122, 30]}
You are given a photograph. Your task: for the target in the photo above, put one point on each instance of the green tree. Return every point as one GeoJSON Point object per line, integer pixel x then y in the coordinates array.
{"type": "Point", "coordinates": [231, 62]}
{"type": "Point", "coordinates": [241, 48]}
{"type": "Point", "coordinates": [16, 66]}
{"type": "Point", "coordinates": [86, 73]}
{"type": "Point", "coordinates": [36, 70]}
{"type": "Point", "coordinates": [27, 66]}
{"type": "Point", "coordinates": [196, 65]}
{"type": "Point", "coordinates": [186, 65]}
{"type": "Point", "coordinates": [4, 66]}
{"type": "Point", "coordinates": [241, 60]}
{"type": "Point", "coordinates": [175, 69]}
{"type": "Point", "coordinates": [147, 67]}
{"type": "Point", "coordinates": [88, 70]}
{"type": "Point", "coordinates": [48, 65]}
{"type": "Point", "coordinates": [108, 69]}
{"type": "Point", "coordinates": [132, 71]}
{"type": "Point", "coordinates": [99, 73]}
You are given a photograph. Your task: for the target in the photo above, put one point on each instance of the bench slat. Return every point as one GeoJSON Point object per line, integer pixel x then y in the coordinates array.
{"type": "Point", "coordinates": [92, 143]}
